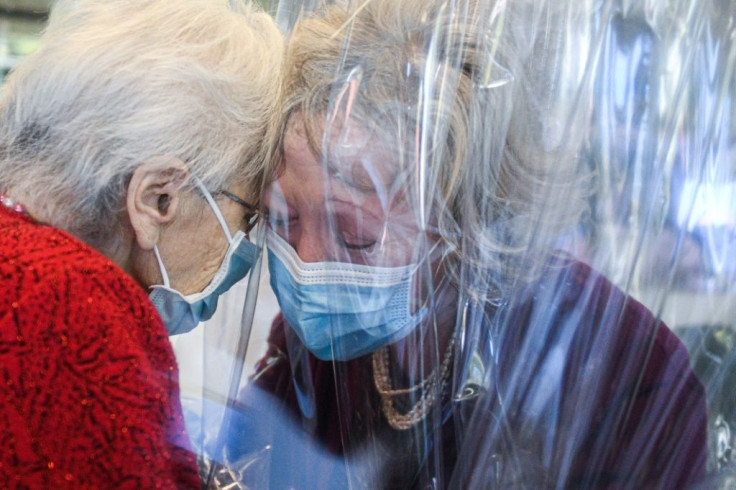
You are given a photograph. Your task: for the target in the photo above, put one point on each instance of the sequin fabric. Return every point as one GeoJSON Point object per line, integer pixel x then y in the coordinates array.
{"type": "Point", "coordinates": [89, 394]}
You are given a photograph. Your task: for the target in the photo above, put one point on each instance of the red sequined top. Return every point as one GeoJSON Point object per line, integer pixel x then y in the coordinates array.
{"type": "Point", "coordinates": [89, 394]}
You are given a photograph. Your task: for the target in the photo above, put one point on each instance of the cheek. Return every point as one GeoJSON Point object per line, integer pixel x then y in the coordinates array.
{"type": "Point", "coordinates": [401, 250]}
{"type": "Point", "coordinates": [215, 246]}
{"type": "Point", "coordinates": [404, 243]}
{"type": "Point", "coordinates": [392, 251]}
{"type": "Point", "coordinates": [208, 252]}
{"type": "Point", "coordinates": [207, 264]}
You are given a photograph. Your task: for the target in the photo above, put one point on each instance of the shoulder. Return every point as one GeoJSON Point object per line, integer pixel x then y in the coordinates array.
{"type": "Point", "coordinates": [89, 371]}
{"type": "Point", "coordinates": [634, 323]}
{"type": "Point", "coordinates": [577, 315]}
{"type": "Point", "coordinates": [78, 307]}
{"type": "Point", "coordinates": [596, 347]}
{"type": "Point", "coordinates": [53, 274]}
{"type": "Point", "coordinates": [574, 288]}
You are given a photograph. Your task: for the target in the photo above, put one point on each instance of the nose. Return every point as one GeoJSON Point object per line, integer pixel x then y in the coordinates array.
{"type": "Point", "coordinates": [310, 246]}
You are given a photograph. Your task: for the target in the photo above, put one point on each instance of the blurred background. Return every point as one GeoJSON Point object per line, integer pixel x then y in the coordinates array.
{"type": "Point", "coordinates": [20, 26]}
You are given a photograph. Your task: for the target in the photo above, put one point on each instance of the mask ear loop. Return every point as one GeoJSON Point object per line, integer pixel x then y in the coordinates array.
{"type": "Point", "coordinates": [220, 219]}
{"type": "Point", "coordinates": [161, 267]}
{"type": "Point", "coordinates": [215, 208]}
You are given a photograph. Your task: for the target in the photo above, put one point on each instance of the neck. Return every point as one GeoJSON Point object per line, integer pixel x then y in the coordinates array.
{"type": "Point", "coordinates": [123, 250]}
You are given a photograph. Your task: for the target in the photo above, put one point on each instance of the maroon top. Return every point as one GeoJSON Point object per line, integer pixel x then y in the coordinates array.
{"type": "Point", "coordinates": [588, 389]}
{"type": "Point", "coordinates": [89, 394]}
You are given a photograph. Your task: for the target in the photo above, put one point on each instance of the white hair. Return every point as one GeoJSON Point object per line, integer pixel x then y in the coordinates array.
{"type": "Point", "coordinates": [117, 83]}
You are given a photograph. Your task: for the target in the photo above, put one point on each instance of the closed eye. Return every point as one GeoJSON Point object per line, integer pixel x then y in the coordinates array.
{"type": "Point", "coordinates": [353, 233]}
{"type": "Point", "coordinates": [358, 246]}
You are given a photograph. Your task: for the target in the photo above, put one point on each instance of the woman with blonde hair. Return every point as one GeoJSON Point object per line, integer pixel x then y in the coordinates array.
{"type": "Point", "coordinates": [430, 335]}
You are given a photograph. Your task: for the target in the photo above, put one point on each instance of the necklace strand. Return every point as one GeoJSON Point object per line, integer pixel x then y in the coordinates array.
{"type": "Point", "coordinates": [431, 388]}
{"type": "Point", "coordinates": [12, 205]}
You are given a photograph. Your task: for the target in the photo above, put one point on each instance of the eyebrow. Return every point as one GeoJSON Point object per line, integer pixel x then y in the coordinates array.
{"type": "Point", "coordinates": [374, 213]}
{"type": "Point", "coordinates": [334, 169]}
{"type": "Point", "coordinates": [365, 188]}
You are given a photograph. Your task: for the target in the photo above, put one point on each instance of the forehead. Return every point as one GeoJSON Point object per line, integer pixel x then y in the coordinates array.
{"type": "Point", "coordinates": [347, 153]}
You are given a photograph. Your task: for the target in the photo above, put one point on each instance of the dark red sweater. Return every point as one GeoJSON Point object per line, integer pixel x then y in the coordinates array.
{"type": "Point", "coordinates": [588, 390]}
{"type": "Point", "coordinates": [89, 394]}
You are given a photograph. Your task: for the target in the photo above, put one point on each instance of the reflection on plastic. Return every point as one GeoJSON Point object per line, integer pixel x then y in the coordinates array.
{"type": "Point", "coordinates": [559, 176]}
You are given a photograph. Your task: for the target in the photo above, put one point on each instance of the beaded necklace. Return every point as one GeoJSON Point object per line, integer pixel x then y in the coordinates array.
{"type": "Point", "coordinates": [12, 205]}
{"type": "Point", "coordinates": [431, 389]}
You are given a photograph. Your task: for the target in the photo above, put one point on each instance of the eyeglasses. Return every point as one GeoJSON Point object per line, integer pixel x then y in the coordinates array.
{"type": "Point", "coordinates": [251, 212]}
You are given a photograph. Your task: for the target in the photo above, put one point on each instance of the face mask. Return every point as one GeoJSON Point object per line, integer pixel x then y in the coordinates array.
{"type": "Point", "coordinates": [341, 311]}
{"type": "Point", "coordinates": [182, 313]}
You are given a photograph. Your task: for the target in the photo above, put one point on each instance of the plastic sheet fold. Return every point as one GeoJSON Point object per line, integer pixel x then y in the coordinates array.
{"type": "Point", "coordinates": [502, 236]}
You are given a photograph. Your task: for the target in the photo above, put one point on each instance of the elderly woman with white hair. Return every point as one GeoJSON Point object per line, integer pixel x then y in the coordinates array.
{"type": "Point", "coordinates": [132, 149]}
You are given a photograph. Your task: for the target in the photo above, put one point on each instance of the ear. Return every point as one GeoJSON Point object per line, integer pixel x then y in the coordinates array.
{"type": "Point", "coordinates": [154, 194]}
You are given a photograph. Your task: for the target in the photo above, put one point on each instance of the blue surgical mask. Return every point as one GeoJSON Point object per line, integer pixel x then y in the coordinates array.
{"type": "Point", "coordinates": [341, 311]}
{"type": "Point", "coordinates": [182, 313]}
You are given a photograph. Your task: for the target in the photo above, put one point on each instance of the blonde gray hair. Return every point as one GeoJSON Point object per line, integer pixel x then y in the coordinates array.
{"type": "Point", "coordinates": [116, 83]}
{"type": "Point", "coordinates": [471, 89]}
